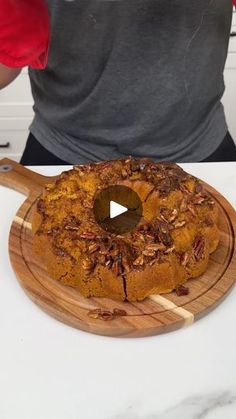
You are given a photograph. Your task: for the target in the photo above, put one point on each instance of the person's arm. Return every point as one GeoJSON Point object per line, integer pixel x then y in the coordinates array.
{"type": "Point", "coordinates": [7, 75]}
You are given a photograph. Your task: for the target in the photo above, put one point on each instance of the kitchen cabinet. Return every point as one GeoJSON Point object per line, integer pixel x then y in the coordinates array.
{"type": "Point", "coordinates": [16, 103]}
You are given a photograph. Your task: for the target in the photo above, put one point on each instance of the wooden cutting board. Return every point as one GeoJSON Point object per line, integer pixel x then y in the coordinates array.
{"type": "Point", "coordinates": [157, 314]}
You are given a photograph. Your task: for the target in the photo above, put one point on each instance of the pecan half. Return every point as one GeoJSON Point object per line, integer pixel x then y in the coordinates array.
{"type": "Point", "coordinates": [182, 291]}
{"type": "Point", "coordinates": [198, 247]}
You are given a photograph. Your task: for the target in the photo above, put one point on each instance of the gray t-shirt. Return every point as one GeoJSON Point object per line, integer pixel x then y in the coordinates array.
{"type": "Point", "coordinates": [133, 77]}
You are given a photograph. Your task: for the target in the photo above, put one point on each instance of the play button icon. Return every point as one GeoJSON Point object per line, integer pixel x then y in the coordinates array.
{"type": "Point", "coordinates": [117, 209]}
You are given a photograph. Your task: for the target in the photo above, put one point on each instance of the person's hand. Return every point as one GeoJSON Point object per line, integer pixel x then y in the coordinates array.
{"type": "Point", "coordinates": [24, 33]}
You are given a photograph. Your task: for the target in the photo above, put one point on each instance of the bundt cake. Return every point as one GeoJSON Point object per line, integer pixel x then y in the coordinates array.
{"type": "Point", "coordinates": [170, 244]}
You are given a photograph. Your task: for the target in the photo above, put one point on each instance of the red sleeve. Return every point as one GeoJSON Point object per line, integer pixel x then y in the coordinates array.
{"type": "Point", "coordinates": [24, 33]}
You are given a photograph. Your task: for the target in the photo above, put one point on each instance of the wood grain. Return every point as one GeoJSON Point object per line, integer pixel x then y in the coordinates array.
{"type": "Point", "coordinates": [155, 315]}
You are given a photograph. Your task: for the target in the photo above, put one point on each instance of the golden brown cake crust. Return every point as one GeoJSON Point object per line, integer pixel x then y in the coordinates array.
{"type": "Point", "coordinates": [171, 243]}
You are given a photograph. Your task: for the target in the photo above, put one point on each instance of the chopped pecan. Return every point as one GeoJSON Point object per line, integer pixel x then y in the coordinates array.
{"type": "Point", "coordinates": [198, 187]}
{"type": "Point", "coordinates": [185, 258]}
{"type": "Point", "coordinates": [109, 263]}
{"type": "Point", "coordinates": [88, 204]}
{"type": "Point", "coordinates": [182, 291]}
{"type": "Point", "coordinates": [101, 314]}
{"type": "Point", "coordinates": [170, 250]}
{"type": "Point", "coordinates": [139, 260]}
{"type": "Point", "coordinates": [192, 209]}
{"type": "Point", "coordinates": [179, 224]}
{"type": "Point", "coordinates": [173, 215]}
{"type": "Point", "coordinates": [149, 237]}
{"type": "Point", "coordinates": [71, 228]}
{"type": "Point", "coordinates": [184, 188]}
{"type": "Point", "coordinates": [93, 247]}
{"type": "Point", "coordinates": [114, 252]}
{"type": "Point", "coordinates": [119, 312]}
{"type": "Point", "coordinates": [142, 166]}
{"type": "Point", "coordinates": [59, 251]}
{"type": "Point", "coordinates": [198, 247]}
{"type": "Point", "coordinates": [124, 173]}
{"type": "Point", "coordinates": [198, 200]}
{"type": "Point", "coordinates": [88, 264]}
{"type": "Point", "coordinates": [88, 235]}
{"type": "Point", "coordinates": [134, 165]}
{"type": "Point", "coordinates": [148, 252]}
{"type": "Point", "coordinates": [166, 238]}
{"type": "Point", "coordinates": [162, 217]}
{"type": "Point", "coordinates": [116, 267]}
{"type": "Point", "coordinates": [156, 246]}
{"type": "Point", "coordinates": [183, 205]}
{"type": "Point", "coordinates": [126, 264]}
{"type": "Point", "coordinates": [210, 202]}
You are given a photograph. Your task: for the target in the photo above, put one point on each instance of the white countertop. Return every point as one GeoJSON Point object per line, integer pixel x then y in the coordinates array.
{"type": "Point", "coordinates": [51, 371]}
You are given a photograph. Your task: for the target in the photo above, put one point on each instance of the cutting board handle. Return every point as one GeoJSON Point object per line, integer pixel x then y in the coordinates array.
{"type": "Point", "coordinates": [17, 177]}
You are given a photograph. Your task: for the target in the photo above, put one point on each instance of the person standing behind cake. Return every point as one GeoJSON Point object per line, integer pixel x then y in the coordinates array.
{"type": "Point", "coordinates": [120, 77]}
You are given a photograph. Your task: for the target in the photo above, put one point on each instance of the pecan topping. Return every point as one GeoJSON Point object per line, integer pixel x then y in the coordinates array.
{"type": "Point", "coordinates": [173, 215]}
{"type": "Point", "coordinates": [116, 267]}
{"type": "Point", "coordinates": [182, 291]}
{"type": "Point", "coordinates": [126, 264]}
{"type": "Point", "coordinates": [198, 247]}
{"type": "Point", "coordinates": [106, 315]}
{"type": "Point", "coordinates": [142, 166]}
{"type": "Point", "coordinates": [199, 199]}
{"type": "Point", "coordinates": [148, 252]}
{"type": "Point", "coordinates": [198, 187]}
{"type": "Point", "coordinates": [170, 250]}
{"type": "Point", "coordinates": [134, 166]}
{"type": "Point", "coordinates": [119, 312]}
{"type": "Point", "coordinates": [59, 251]}
{"type": "Point", "coordinates": [71, 227]}
{"type": "Point", "coordinates": [93, 247]}
{"type": "Point", "coordinates": [183, 205]}
{"type": "Point", "coordinates": [88, 235]}
{"type": "Point", "coordinates": [139, 260]}
{"type": "Point", "coordinates": [88, 204]}
{"type": "Point", "coordinates": [185, 258]}
{"type": "Point", "coordinates": [192, 209]}
{"type": "Point", "coordinates": [124, 173]}
{"type": "Point", "coordinates": [109, 263]}
{"type": "Point", "coordinates": [88, 264]}
{"type": "Point", "coordinates": [156, 247]}
{"type": "Point", "coordinates": [211, 202]}
{"type": "Point", "coordinates": [179, 224]}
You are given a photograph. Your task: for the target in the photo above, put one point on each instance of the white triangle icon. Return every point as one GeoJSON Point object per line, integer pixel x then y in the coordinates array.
{"type": "Point", "coordinates": [116, 209]}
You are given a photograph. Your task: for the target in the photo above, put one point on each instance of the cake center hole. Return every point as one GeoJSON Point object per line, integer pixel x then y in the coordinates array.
{"type": "Point", "coordinates": [117, 209]}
